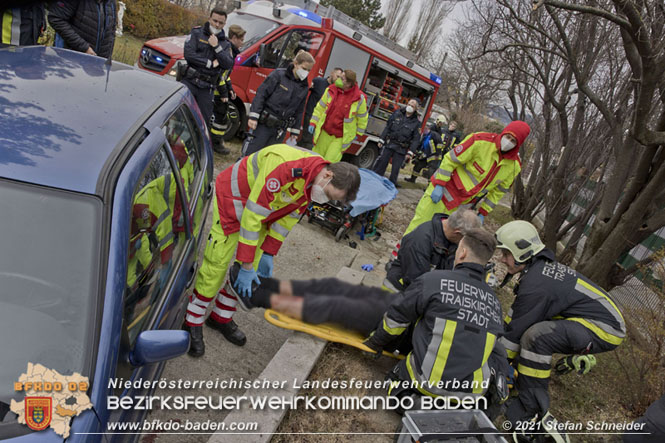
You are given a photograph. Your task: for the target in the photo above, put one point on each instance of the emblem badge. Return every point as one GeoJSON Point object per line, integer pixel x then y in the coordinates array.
{"type": "Point", "coordinates": [459, 149]}
{"type": "Point", "coordinates": [273, 185]}
{"type": "Point", "coordinates": [38, 412]}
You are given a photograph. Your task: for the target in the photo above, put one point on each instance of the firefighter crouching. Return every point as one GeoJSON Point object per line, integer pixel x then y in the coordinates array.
{"type": "Point", "coordinates": [258, 200]}
{"type": "Point", "coordinates": [428, 156]}
{"type": "Point", "coordinates": [481, 169]}
{"type": "Point", "coordinates": [456, 319]}
{"type": "Point", "coordinates": [279, 104]}
{"type": "Point", "coordinates": [556, 310]}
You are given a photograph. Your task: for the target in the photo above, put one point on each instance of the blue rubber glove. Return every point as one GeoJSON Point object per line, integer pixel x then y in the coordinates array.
{"type": "Point", "coordinates": [368, 267]}
{"type": "Point", "coordinates": [437, 193]}
{"type": "Point", "coordinates": [244, 282]}
{"type": "Point", "coordinates": [310, 129]}
{"type": "Point", "coordinates": [265, 266]}
{"type": "Point", "coordinates": [482, 218]}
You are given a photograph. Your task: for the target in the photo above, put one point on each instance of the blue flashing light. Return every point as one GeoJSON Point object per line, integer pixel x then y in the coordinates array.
{"type": "Point", "coordinates": [435, 78]}
{"type": "Point", "coordinates": [143, 51]}
{"type": "Point", "coordinates": [309, 15]}
{"type": "Point", "coordinates": [159, 59]}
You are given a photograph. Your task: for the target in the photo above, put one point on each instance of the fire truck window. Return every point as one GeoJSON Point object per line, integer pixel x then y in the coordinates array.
{"type": "Point", "coordinates": [309, 41]}
{"type": "Point", "coordinates": [272, 52]}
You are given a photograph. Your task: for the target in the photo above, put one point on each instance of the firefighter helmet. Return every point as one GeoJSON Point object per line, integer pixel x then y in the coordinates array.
{"type": "Point", "coordinates": [441, 120]}
{"type": "Point", "coordinates": [520, 238]}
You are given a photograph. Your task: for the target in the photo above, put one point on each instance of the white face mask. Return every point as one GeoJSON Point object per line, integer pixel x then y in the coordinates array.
{"type": "Point", "coordinates": [318, 193]}
{"type": "Point", "coordinates": [214, 30]}
{"type": "Point", "coordinates": [409, 109]}
{"type": "Point", "coordinates": [302, 73]}
{"type": "Point", "coordinates": [506, 144]}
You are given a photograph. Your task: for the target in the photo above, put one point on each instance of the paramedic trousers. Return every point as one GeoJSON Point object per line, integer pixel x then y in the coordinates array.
{"type": "Point", "coordinates": [329, 146]}
{"type": "Point", "coordinates": [426, 209]}
{"type": "Point", "coordinates": [261, 137]}
{"type": "Point", "coordinates": [534, 366]}
{"type": "Point", "coordinates": [329, 300]}
{"type": "Point", "coordinates": [219, 252]}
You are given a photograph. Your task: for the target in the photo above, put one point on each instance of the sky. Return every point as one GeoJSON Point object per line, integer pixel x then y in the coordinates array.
{"type": "Point", "coordinates": [450, 23]}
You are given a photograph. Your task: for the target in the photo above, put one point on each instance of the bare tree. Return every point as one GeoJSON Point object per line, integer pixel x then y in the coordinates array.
{"type": "Point", "coordinates": [429, 23]}
{"type": "Point", "coordinates": [397, 17]}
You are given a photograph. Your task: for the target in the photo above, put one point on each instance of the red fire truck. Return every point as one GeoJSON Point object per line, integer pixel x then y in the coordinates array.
{"type": "Point", "coordinates": [386, 71]}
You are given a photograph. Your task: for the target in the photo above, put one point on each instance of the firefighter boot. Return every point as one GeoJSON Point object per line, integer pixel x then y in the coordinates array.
{"type": "Point", "coordinates": [411, 179]}
{"type": "Point", "coordinates": [196, 346]}
{"type": "Point", "coordinates": [229, 330]}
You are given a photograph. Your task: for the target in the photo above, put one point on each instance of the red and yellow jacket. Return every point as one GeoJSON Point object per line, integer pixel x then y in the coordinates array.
{"type": "Point", "coordinates": [268, 189]}
{"type": "Point", "coordinates": [477, 168]}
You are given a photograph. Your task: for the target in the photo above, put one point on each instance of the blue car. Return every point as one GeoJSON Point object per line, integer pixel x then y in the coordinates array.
{"type": "Point", "coordinates": [105, 184]}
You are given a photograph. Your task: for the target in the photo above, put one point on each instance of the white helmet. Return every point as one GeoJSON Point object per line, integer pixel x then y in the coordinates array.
{"type": "Point", "coordinates": [520, 238]}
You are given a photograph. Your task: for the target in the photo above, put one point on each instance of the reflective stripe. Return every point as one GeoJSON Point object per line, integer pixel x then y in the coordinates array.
{"type": "Point", "coordinates": [323, 104]}
{"type": "Point", "coordinates": [511, 354]}
{"type": "Point", "coordinates": [235, 188]}
{"type": "Point", "coordinates": [599, 296]}
{"type": "Point", "coordinates": [294, 214]}
{"type": "Point", "coordinates": [471, 176]}
{"type": "Point", "coordinates": [489, 203]}
{"type": "Point", "coordinates": [447, 195]}
{"type": "Point", "coordinates": [346, 145]}
{"type": "Point", "coordinates": [433, 347]}
{"type": "Point", "coordinates": [218, 48]}
{"type": "Point", "coordinates": [538, 358]}
{"type": "Point", "coordinates": [443, 351]}
{"type": "Point", "coordinates": [509, 316]}
{"type": "Point", "coordinates": [432, 390]}
{"type": "Point", "coordinates": [196, 309]}
{"type": "Point", "coordinates": [165, 214]}
{"type": "Point", "coordinates": [195, 320]}
{"type": "Point", "coordinates": [502, 189]}
{"type": "Point", "coordinates": [11, 27]}
{"type": "Point", "coordinates": [281, 230]}
{"type": "Point", "coordinates": [363, 115]}
{"type": "Point", "coordinates": [257, 209]}
{"type": "Point", "coordinates": [389, 286]}
{"type": "Point", "coordinates": [167, 185]}
{"type": "Point", "coordinates": [294, 131]}
{"type": "Point", "coordinates": [255, 115]}
{"type": "Point", "coordinates": [166, 239]}
{"type": "Point", "coordinates": [348, 120]}
{"type": "Point", "coordinates": [509, 345]}
{"type": "Point", "coordinates": [224, 313]}
{"type": "Point", "coordinates": [360, 131]}
{"type": "Point", "coordinates": [226, 300]}
{"type": "Point", "coordinates": [601, 330]}
{"type": "Point", "coordinates": [237, 205]}
{"type": "Point", "coordinates": [483, 372]}
{"type": "Point", "coordinates": [444, 172]}
{"type": "Point", "coordinates": [453, 157]}
{"type": "Point", "coordinates": [249, 235]}
{"type": "Point", "coordinates": [536, 373]}
{"type": "Point", "coordinates": [315, 118]}
{"type": "Point", "coordinates": [392, 327]}
{"type": "Point", "coordinates": [255, 165]}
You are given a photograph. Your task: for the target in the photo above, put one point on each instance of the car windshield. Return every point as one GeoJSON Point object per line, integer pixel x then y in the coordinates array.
{"type": "Point", "coordinates": [49, 272]}
{"type": "Point", "coordinates": [256, 27]}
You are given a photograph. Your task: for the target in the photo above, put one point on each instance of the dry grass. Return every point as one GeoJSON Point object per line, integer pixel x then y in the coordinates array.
{"type": "Point", "coordinates": [127, 48]}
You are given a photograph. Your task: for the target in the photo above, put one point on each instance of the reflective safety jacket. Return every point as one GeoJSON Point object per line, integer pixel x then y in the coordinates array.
{"type": "Point", "coordinates": [268, 189]}
{"type": "Point", "coordinates": [355, 121]}
{"type": "Point", "coordinates": [457, 320]}
{"type": "Point", "coordinates": [477, 169]}
{"type": "Point", "coordinates": [423, 249]}
{"type": "Point", "coordinates": [22, 26]}
{"type": "Point", "coordinates": [224, 86]}
{"type": "Point", "coordinates": [549, 290]}
{"type": "Point", "coordinates": [450, 138]}
{"type": "Point", "coordinates": [432, 146]}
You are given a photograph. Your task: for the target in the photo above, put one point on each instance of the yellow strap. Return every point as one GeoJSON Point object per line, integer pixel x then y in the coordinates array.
{"type": "Point", "coordinates": [536, 373]}
{"type": "Point", "coordinates": [7, 27]}
{"type": "Point", "coordinates": [325, 331]}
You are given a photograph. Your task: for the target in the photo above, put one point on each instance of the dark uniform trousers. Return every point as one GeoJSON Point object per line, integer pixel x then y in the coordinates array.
{"type": "Point", "coordinates": [391, 150]}
{"type": "Point", "coordinates": [424, 164]}
{"type": "Point", "coordinates": [203, 94]}
{"type": "Point", "coordinates": [261, 137]}
{"type": "Point", "coordinates": [537, 345]}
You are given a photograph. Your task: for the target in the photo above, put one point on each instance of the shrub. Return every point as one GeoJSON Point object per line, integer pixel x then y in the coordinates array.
{"type": "Point", "coordinates": [159, 18]}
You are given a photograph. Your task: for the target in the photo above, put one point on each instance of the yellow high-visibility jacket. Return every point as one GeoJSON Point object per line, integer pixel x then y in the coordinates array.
{"type": "Point", "coordinates": [355, 122]}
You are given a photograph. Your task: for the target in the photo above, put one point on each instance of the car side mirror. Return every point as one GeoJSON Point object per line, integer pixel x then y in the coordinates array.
{"type": "Point", "coordinates": [157, 346]}
{"type": "Point", "coordinates": [262, 54]}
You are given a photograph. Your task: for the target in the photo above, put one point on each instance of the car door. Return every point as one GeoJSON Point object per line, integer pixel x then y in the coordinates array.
{"type": "Point", "coordinates": [160, 245]}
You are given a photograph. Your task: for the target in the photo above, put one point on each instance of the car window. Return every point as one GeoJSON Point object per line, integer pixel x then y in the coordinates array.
{"type": "Point", "coordinates": [157, 236]}
{"type": "Point", "coordinates": [187, 148]}
{"type": "Point", "coordinates": [273, 51]}
{"type": "Point", "coordinates": [309, 41]}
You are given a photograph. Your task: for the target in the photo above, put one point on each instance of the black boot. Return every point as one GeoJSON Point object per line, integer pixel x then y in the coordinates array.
{"type": "Point", "coordinates": [220, 148]}
{"type": "Point", "coordinates": [411, 179]}
{"type": "Point", "coordinates": [196, 346]}
{"type": "Point", "coordinates": [229, 330]}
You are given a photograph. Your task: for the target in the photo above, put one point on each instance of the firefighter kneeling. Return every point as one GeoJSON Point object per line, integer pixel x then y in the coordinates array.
{"type": "Point", "coordinates": [556, 310]}
{"type": "Point", "coordinates": [258, 200]}
{"type": "Point", "coordinates": [456, 319]}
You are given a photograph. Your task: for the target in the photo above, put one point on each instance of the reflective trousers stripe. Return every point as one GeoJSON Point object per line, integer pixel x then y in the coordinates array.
{"type": "Point", "coordinates": [536, 373]}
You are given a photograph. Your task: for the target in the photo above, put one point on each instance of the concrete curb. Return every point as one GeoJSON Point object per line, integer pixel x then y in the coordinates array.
{"type": "Point", "coordinates": [294, 360]}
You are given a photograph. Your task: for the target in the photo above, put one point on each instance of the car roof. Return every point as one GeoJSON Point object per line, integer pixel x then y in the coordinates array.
{"type": "Point", "coordinates": [62, 114]}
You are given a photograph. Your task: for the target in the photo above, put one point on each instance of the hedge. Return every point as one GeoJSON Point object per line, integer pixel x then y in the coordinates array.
{"type": "Point", "coordinates": [159, 18]}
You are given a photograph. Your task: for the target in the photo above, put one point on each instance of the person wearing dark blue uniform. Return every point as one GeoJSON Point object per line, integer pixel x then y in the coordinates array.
{"type": "Point", "coordinates": [207, 53]}
{"type": "Point", "coordinates": [278, 105]}
{"type": "Point", "coordinates": [22, 26]}
{"type": "Point", "coordinates": [400, 136]}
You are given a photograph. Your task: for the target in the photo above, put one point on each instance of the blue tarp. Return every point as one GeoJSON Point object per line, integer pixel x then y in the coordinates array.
{"type": "Point", "coordinates": [374, 191]}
